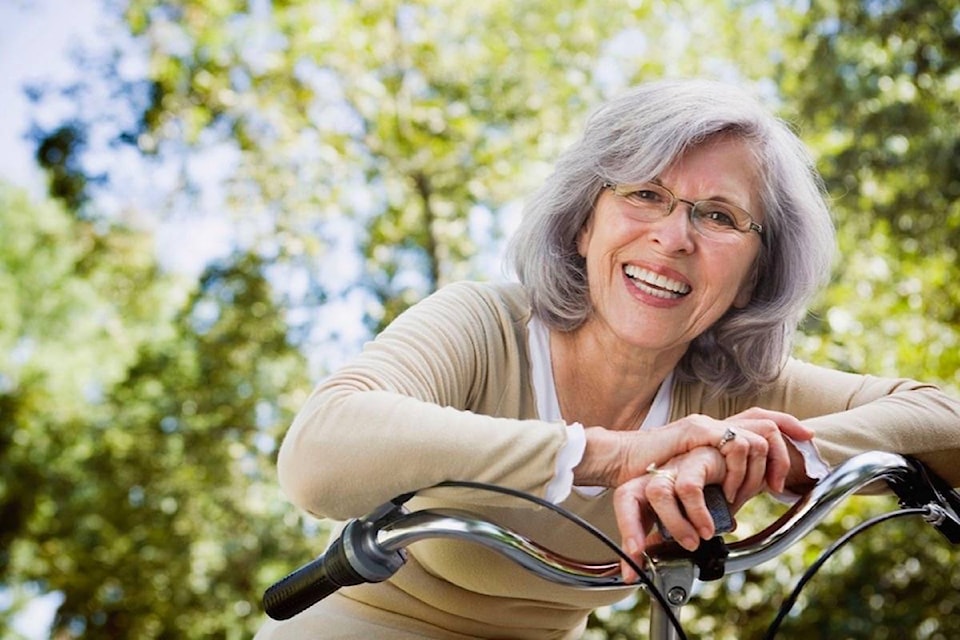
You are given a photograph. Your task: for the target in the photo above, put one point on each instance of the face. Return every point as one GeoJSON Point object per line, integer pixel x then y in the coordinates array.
{"type": "Point", "coordinates": [658, 285]}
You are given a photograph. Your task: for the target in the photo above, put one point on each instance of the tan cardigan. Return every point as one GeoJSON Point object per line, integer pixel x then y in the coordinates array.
{"type": "Point", "coordinates": [445, 393]}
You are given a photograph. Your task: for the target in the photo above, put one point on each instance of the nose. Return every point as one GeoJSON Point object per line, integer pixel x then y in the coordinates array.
{"type": "Point", "coordinates": [674, 232]}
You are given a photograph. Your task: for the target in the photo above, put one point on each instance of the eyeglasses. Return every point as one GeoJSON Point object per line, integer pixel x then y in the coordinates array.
{"type": "Point", "coordinates": [711, 218]}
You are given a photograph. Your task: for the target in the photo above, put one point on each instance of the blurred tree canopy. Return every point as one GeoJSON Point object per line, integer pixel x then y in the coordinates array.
{"type": "Point", "coordinates": [877, 86]}
{"type": "Point", "coordinates": [372, 151]}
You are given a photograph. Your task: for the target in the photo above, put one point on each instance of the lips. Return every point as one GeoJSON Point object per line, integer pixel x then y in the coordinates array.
{"type": "Point", "coordinates": [656, 284]}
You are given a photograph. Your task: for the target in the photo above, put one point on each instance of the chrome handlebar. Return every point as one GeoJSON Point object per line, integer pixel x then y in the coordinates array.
{"type": "Point", "coordinates": [372, 548]}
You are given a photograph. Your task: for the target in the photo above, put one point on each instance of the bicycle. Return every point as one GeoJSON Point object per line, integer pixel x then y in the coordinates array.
{"type": "Point", "coordinates": [372, 548]}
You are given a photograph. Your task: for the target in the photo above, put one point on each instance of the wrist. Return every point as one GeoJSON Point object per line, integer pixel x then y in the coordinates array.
{"type": "Point", "coordinates": [602, 458]}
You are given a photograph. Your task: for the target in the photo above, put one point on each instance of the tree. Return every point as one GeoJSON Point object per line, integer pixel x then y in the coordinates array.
{"type": "Point", "coordinates": [185, 447]}
{"type": "Point", "coordinates": [75, 312]}
{"type": "Point", "coordinates": [871, 86]}
{"type": "Point", "coordinates": [875, 84]}
{"type": "Point", "coordinates": [409, 131]}
{"type": "Point", "coordinates": [138, 476]}
{"type": "Point", "coordinates": [380, 148]}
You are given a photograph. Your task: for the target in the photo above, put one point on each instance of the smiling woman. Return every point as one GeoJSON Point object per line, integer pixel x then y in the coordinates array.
{"type": "Point", "coordinates": [642, 356]}
{"type": "Point", "coordinates": [634, 139]}
{"type": "Point", "coordinates": [706, 273]}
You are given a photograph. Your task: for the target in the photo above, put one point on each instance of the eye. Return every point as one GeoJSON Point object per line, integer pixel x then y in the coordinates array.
{"type": "Point", "coordinates": [717, 216]}
{"type": "Point", "coordinates": [647, 196]}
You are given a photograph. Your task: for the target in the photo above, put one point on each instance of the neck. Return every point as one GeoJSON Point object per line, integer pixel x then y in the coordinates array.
{"type": "Point", "coordinates": [605, 385]}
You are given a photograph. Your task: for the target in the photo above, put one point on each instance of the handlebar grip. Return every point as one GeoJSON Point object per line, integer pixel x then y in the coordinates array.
{"type": "Point", "coordinates": [311, 583]}
{"type": "Point", "coordinates": [718, 508]}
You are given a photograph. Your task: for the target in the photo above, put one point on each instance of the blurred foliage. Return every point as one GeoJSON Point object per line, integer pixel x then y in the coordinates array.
{"type": "Point", "coordinates": [138, 432]}
{"type": "Point", "coordinates": [877, 86]}
{"type": "Point", "coordinates": [378, 149]}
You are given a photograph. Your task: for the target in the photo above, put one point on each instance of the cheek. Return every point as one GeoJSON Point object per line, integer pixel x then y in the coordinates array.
{"type": "Point", "coordinates": [745, 284]}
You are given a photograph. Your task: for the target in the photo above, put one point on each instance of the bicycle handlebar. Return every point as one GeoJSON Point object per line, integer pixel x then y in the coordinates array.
{"type": "Point", "coordinates": [372, 548]}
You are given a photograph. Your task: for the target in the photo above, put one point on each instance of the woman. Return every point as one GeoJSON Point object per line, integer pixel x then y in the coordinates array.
{"type": "Point", "coordinates": [663, 268]}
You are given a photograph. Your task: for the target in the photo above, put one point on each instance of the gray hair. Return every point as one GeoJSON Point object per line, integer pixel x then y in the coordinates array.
{"type": "Point", "coordinates": [634, 138]}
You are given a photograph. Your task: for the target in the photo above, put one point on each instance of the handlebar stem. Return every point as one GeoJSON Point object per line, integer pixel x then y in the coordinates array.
{"type": "Point", "coordinates": [675, 581]}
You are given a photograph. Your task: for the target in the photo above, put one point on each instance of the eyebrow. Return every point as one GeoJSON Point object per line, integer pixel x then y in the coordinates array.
{"type": "Point", "coordinates": [723, 199]}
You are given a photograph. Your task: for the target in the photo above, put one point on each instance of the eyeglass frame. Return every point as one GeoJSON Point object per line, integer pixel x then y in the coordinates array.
{"type": "Point", "coordinates": [623, 190]}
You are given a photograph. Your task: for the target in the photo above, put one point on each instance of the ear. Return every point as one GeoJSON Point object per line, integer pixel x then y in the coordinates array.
{"type": "Point", "coordinates": [583, 237]}
{"type": "Point", "coordinates": [745, 292]}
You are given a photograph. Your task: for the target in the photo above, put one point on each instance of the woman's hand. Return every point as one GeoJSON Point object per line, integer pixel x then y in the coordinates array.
{"type": "Point", "coordinates": [744, 453]}
{"type": "Point", "coordinates": [674, 492]}
{"type": "Point", "coordinates": [756, 452]}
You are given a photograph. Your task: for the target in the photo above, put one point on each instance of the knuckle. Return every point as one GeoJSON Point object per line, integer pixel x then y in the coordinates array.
{"type": "Point", "coordinates": [688, 490]}
{"type": "Point", "coordinates": [659, 492]}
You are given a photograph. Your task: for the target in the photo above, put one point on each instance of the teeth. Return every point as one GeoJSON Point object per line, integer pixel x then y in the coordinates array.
{"type": "Point", "coordinates": [655, 283]}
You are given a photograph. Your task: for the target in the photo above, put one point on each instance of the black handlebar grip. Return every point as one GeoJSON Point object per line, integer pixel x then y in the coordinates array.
{"type": "Point", "coordinates": [311, 583]}
{"type": "Point", "coordinates": [718, 508]}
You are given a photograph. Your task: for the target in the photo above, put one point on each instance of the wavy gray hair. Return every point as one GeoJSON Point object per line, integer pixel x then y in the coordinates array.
{"type": "Point", "coordinates": [634, 138]}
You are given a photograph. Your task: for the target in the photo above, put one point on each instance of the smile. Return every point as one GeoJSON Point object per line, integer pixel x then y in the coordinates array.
{"type": "Point", "coordinates": [656, 284]}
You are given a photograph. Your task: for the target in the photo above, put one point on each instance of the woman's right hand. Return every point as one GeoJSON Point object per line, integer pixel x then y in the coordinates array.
{"type": "Point", "coordinates": [674, 493]}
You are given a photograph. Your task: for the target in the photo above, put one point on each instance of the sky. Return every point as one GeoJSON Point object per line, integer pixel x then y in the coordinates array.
{"type": "Point", "coordinates": [35, 40]}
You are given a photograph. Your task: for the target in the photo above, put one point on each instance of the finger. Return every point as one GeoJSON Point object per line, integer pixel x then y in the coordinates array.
{"type": "Point", "coordinates": [777, 458]}
{"type": "Point", "coordinates": [701, 467]}
{"type": "Point", "coordinates": [635, 551]}
{"type": "Point", "coordinates": [764, 438]}
{"type": "Point", "coordinates": [661, 496]}
{"type": "Point", "coordinates": [783, 426]}
{"type": "Point", "coordinates": [629, 503]}
{"type": "Point", "coordinates": [788, 424]}
{"type": "Point", "coordinates": [689, 490]}
{"type": "Point", "coordinates": [754, 480]}
{"type": "Point", "coordinates": [737, 457]}
{"type": "Point", "coordinates": [778, 463]}
{"type": "Point", "coordinates": [745, 454]}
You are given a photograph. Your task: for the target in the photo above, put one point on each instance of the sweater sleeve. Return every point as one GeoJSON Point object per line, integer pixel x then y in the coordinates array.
{"type": "Point", "coordinates": [852, 413]}
{"type": "Point", "coordinates": [440, 395]}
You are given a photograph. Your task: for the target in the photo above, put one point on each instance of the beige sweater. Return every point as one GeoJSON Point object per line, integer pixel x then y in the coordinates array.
{"type": "Point", "coordinates": [445, 393]}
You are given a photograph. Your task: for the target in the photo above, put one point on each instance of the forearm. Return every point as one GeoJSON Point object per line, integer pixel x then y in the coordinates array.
{"type": "Point", "coordinates": [922, 422]}
{"type": "Point", "coordinates": [851, 413]}
{"type": "Point", "coordinates": [349, 451]}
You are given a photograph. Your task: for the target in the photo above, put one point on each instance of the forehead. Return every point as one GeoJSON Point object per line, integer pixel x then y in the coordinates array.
{"type": "Point", "coordinates": [723, 168]}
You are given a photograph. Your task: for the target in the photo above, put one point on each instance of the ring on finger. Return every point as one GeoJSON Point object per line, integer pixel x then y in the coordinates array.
{"type": "Point", "coordinates": [727, 436]}
{"type": "Point", "coordinates": [656, 471]}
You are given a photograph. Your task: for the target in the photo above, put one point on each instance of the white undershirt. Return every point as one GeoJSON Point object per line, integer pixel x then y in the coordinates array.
{"type": "Point", "coordinates": [548, 408]}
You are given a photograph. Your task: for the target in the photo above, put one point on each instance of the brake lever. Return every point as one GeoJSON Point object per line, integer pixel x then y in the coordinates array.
{"type": "Point", "coordinates": [925, 488]}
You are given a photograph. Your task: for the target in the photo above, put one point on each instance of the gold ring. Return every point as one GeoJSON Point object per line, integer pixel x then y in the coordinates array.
{"type": "Point", "coordinates": [654, 470]}
{"type": "Point", "coordinates": [727, 436]}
